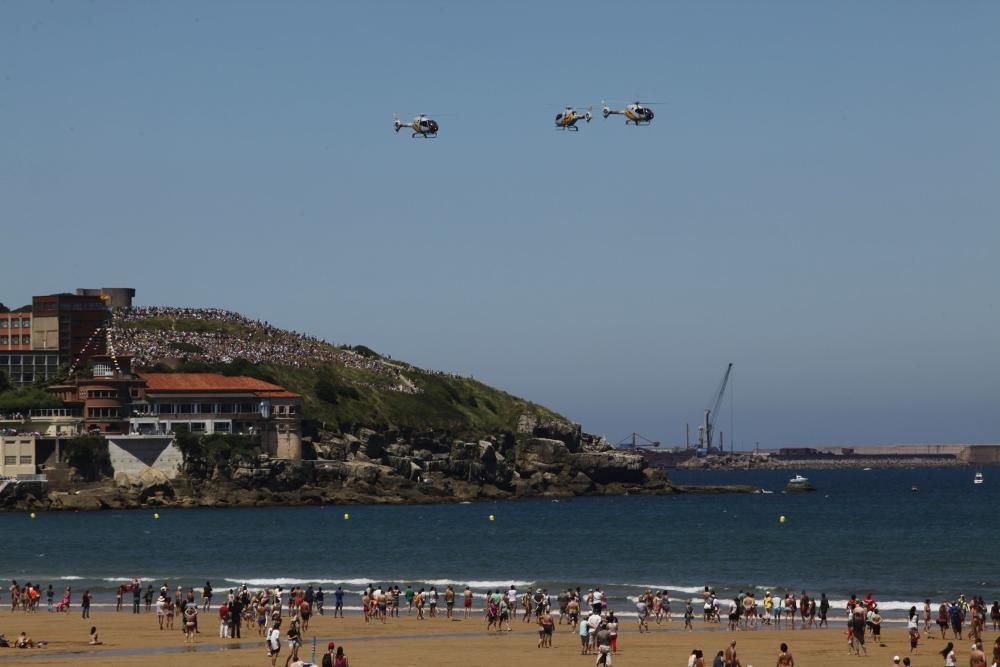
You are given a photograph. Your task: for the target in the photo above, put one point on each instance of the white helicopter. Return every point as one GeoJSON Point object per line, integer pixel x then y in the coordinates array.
{"type": "Point", "coordinates": [422, 125]}
{"type": "Point", "coordinates": [568, 118]}
{"type": "Point", "coordinates": [637, 113]}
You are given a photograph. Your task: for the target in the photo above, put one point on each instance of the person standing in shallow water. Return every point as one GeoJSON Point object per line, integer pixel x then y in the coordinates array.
{"type": "Point", "coordinates": [85, 604]}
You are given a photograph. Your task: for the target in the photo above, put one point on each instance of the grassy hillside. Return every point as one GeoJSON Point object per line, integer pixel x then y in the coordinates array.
{"type": "Point", "coordinates": [347, 396]}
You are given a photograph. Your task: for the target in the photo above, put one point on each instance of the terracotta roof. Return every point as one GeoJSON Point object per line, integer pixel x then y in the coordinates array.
{"type": "Point", "coordinates": [278, 394]}
{"type": "Point", "coordinates": [205, 382]}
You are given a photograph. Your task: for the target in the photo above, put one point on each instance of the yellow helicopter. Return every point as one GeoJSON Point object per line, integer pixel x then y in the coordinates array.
{"type": "Point", "coordinates": [637, 112]}
{"type": "Point", "coordinates": [421, 125]}
{"type": "Point", "coordinates": [568, 118]}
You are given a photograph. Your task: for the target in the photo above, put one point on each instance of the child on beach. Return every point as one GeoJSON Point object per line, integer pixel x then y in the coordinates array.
{"type": "Point", "coordinates": [94, 639]}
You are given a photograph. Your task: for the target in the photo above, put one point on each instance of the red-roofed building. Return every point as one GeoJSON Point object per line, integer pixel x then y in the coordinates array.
{"type": "Point", "coordinates": [214, 403]}
{"type": "Point", "coordinates": [115, 400]}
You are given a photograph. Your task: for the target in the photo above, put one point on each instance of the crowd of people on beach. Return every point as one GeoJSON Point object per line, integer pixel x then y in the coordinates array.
{"type": "Point", "coordinates": [257, 341]}
{"type": "Point", "coordinates": [282, 618]}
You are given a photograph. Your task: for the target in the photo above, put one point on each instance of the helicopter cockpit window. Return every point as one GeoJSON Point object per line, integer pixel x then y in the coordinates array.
{"type": "Point", "coordinates": [559, 116]}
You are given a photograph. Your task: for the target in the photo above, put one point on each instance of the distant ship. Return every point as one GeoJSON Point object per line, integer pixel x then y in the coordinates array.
{"type": "Point", "coordinates": [978, 479]}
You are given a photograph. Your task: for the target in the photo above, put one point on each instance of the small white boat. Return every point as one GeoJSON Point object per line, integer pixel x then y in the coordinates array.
{"type": "Point", "coordinates": [867, 469]}
{"type": "Point", "coordinates": [799, 483]}
{"type": "Point", "coordinates": [978, 479]}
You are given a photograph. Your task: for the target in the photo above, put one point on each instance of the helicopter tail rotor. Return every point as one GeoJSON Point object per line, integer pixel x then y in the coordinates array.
{"type": "Point", "coordinates": [605, 109]}
{"type": "Point", "coordinates": [587, 116]}
{"type": "Point", "coordinates": [396, 124]}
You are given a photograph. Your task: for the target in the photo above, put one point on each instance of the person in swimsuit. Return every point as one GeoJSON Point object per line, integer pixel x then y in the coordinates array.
{"type": "Point", "coordinates": [729, 658]}
{"type": "Point", "coordinates": [546, 626]}
{"type": "Point", "coordinates": [190, 623]}
{"type": "Point", "coordinates": [467, 601]}
{"type": "Point", "coordinates": [977, 657]}
{"type": "Point", "coordinates": [785, 658]}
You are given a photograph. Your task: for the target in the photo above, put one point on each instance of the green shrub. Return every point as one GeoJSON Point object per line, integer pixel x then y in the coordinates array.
{"type": "Point", "coordinates": [89, 455]}
{"type": "Point", "coordinates": [23, 399]}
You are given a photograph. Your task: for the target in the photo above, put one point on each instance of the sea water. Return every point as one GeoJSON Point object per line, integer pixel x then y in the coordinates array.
{"type": "Point", "coordinates": [861, 531]}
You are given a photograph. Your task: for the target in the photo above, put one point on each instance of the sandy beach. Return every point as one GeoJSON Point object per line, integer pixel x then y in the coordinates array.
{"type": "Point", "coordinates": [133, 640]}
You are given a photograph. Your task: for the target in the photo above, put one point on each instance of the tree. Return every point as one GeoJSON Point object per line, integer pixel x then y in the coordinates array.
{"type": "Point", "coordinates": [89, 455]}
{"type": "Point", "coordinates": [23, 399]}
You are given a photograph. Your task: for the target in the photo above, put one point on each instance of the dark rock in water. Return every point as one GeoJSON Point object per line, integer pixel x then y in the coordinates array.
{"type": "Point", "coordinates": [795, 487]}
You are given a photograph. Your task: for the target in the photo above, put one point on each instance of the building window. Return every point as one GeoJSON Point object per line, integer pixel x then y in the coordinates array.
{"type": "Point", "coordinates": [226, 408]}
{"type": "Point", "coordinates": [165, 408]}
{"type": "Point", "coordinates": [221, 427]}
{"type": "Point", "coordinates": [25, 324]}
{"type": "Point", "coordinates": [4, 340]}
{"type": "Point", "coordinates": [102, 413]}
{"type": "Point", "coordinates": [185, 408]}
{"type": "Point", "coordinates": [206, 408]}
{"type": "Point", "coordinates": [197, 427]}
{"type": "Point", "coordinates": [27, 377]}
{"type": "Point", "coordinates": [10, 460]}
{"type": "Point", "coordinates": [26, 459]}
{"type": "Point", "coordinates": [26, 340]}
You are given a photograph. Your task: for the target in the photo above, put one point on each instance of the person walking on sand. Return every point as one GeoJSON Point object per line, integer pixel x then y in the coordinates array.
{"type": "Point", "coordinates": [785, 658]}
{"type": "Point", "coordinates": [729, 658]}
{"type": "Point", "coordinates": [948, 652]}
{"type": "Point", "coordinates": [546, 626]}
{"type": "Point", "coordinates": [858, 625]}
{"type": "Point", "coordinates": [85, 604]}
{"type": "Point", "coordinates": [977, 657]}
{"type": "Point", "coordinates": [603, 639]}
{"type": "Point", "coordinates": [274, 642]}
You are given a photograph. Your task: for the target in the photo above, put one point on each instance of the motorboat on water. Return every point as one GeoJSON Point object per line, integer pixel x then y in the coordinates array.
{"type": "Point", "coordinates": [978, 479]}
{"type": "Point", "coordinates": [914, 488]}
{"type": "Point", "coordinates": [799, 483]}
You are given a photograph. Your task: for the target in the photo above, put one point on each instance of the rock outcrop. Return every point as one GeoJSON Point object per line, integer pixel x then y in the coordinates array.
{"type": "Point", "coordinates": [544, 458]}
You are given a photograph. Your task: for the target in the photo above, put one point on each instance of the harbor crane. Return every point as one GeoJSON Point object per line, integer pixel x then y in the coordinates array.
{"type": "Point", "coordinates": [705, 431]}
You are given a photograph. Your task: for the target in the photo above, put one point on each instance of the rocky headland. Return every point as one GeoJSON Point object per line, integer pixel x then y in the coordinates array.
{"type": "Point", "coordinates": [546, 458]}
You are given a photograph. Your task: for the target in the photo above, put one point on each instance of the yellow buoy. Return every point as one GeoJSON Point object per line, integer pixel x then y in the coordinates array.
{"type": "Point", "coordinates": [32, 515]}
{"type": "Point", "coordinates": [781, 519]}
{"type": "Point", "coordinates": [346, 516]}
{"type": "Point", "coordinates": [156, 515]}
{"type": "Point", "coordinates": [492, 517]}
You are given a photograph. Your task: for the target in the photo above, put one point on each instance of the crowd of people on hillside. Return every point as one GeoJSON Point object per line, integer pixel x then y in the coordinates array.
{"type": "Point", "coordinates": [256, 341]}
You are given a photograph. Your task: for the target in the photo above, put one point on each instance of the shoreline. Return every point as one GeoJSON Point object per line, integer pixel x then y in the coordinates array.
{"type": "Point", "coordinates": [111, 497]}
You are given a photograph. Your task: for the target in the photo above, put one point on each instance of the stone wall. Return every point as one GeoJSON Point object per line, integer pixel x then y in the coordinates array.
{"type": "Point", "coordinates": [134, 454]}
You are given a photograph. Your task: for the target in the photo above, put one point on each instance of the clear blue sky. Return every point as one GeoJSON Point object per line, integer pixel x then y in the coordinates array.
{"type": "Point", "coordinates": [818, 200]}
